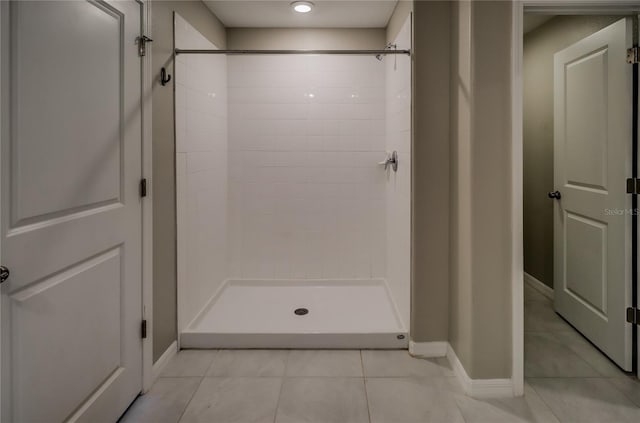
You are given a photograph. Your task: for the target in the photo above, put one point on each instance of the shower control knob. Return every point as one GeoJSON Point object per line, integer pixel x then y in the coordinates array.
{"type": "Point", "coordinates": [4, 273]}
{"type": "Point", "coordinates": [392, 160]}
{"type": "Point", "coordinates": [555, 194]}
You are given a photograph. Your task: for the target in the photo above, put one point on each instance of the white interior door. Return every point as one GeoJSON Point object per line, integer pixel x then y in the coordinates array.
{"type": "Point", "coordinates": [592, 159]}
{"type": "Point", "coordinates": [71, 212]}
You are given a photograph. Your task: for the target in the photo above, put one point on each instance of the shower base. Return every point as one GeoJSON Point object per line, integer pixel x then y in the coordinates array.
{"type": "Point", "coordinates": [298, 314]}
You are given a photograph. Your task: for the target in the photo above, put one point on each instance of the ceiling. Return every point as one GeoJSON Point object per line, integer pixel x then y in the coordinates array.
{"type": "Point", "coordinates": [325, 14]}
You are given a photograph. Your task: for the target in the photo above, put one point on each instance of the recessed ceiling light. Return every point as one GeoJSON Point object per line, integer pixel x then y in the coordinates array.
{"type": "Point", "coordinates": [302, 6]}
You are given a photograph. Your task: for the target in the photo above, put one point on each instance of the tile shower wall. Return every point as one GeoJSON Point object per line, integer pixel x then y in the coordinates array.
{"type": "Point", "coordinates": [201, 149]}
{"type": "Point", "coordinates": [306, 195]}
{"type": "Point", "coordinates": [398, 186]}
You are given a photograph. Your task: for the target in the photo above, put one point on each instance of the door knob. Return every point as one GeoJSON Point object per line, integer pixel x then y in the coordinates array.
{"type": "Point", "coordinates": [555, 194]}
{"type": "Point", "coordinates": [4, 274]}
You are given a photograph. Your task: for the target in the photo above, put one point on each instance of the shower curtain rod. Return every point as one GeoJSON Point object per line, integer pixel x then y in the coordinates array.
{"type": "Point", "coordinates": [352, 52]}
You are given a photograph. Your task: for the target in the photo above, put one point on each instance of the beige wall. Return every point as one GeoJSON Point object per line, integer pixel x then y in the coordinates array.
{"type": "Point", "coordinates": [430, 288]}
{"type": "Point", "coordinates": [164, 189]}
{"type": "Point", "coordinates": [460, 319]}
{"type": "Point", "coordinates": [305, 38]}
{"type": "Point", "coordinates": [480, 305]}
{"type": "Point", "coordinates": [539, 48]}
{"type": "Point", "coordinates": [491, 188]}
{"type": "Point", "coordinates": [400, 14]}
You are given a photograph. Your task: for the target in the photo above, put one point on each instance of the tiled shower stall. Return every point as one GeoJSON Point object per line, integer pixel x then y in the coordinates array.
{"type": "Point", "coordinates": [282, 202]}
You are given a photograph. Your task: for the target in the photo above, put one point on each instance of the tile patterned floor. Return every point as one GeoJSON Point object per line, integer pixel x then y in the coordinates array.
{"type": "Point", "coordinates": [567, 380]}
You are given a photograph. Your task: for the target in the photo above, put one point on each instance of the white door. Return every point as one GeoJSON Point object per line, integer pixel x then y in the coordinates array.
{"type": "Point", "coordinates": [592, 159]}
{"type": "Point", "coordinates": [71, 213]}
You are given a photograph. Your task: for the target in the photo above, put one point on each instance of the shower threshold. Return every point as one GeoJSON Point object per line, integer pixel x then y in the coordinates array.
{"type": "Point", "coordinates": [298, 314]}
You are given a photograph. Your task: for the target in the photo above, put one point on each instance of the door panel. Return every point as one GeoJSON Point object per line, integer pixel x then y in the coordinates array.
{"type": "Point", "coordinates": [585, 121]}
{"type": "Point", "coordinates": [586, 261]}
{"type": "Point", "coordinates": [88, 290]}
{"type": "Point", "coordinates": [80, 125]}
{"type": "Point", "coordinates": [592, 159]}
{"type": "Point", "coordinates": [71, 212]}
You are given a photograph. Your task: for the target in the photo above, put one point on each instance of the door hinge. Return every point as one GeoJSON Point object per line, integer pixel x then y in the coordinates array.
{"type": "Point", "coordinates": [633, 186]}
{"type": "Point", "coordinates": [143, 187]}
{"type": "Point", "coordinates": [633, 55]}
{"type": "Point", "coordinates": [633, 315]}
{"type": "Point", "coordinates": [142, 44]}
{"type": "Point", "coordinates": [4, 273]}
{"type": "Point", "coordinates": [143, 329]}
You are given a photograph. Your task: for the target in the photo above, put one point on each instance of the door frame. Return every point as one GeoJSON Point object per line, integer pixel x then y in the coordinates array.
{"type": "Point", "coordinates": [147, 202]}
{"type": "Point", "coordinates": [559, 7]}
{"type": "Point", "coordinates": [146, 308]}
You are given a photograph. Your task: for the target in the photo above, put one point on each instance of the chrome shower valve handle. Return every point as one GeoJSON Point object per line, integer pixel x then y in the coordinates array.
{"type": "Point", "coordinates": [392, 160]}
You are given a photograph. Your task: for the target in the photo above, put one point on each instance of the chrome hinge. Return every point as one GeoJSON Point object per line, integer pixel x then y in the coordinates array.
{"type": "Point", "coordinates": [633, 186]}
{"type": "Point", "coordinates": [143, 187]}
{"type": "Point", "coordinates": [142, 44]}
{"type": "Point", "coordinates": [633, 55]}
{"type": "Point", "coordinates": [143, 329]}
{"type": "Point", "coordinates": [633, 315]}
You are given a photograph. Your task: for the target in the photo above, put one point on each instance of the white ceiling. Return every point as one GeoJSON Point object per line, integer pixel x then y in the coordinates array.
{"type": "Point", "coordinates": [325, 14]}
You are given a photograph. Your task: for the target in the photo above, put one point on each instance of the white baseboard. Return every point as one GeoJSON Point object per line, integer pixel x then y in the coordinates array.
{"type": "Point", "coordinates": [428, 349]}
{"type": "Point", "coordinates": [538, 285]}
{"type": "Point", "coordinates": [479, 388]}
{"type": "Point", "coordinates": [164, 359]}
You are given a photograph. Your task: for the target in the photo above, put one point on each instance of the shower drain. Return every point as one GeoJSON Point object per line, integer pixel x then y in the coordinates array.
{"type": "Point", "coordinates": [301, 311]}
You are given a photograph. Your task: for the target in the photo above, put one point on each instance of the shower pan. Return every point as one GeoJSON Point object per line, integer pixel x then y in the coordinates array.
{"type": "Point", "coordinates": [293, 195]}
{"type": "Point", "coordinates": [299, 314]}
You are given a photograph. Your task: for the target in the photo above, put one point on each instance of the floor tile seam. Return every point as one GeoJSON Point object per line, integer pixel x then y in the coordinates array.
{"type": "Point", "coordinates": [580, 357]}
{"type": "Point", "coordinates": [436, 377]}
{"type": "Point", "coordinates": [455, 401]}
{"type": "Point", "coordinates": [568, 377]}
{"type": "Point", "coordinates": [195, 391]}
{"type": "Point", "coordinates": [364, 383]}
{"type": "Point", "coordinates": [275, 412]}
{"type": "Point", "coordinates": [282, 380]}
{"type": "Point", "coordinates": [545, 402]}
{"type": "Point", "coordinates": [322, 377]}
{"type": "Point", "coordinates": [283, 376]}
{"type": "Point", "coordinates": [615, 388]}
{"type": "Point", "coordinates": [619, 391]}
{"type": "Point", "coordinates": [213, 361]}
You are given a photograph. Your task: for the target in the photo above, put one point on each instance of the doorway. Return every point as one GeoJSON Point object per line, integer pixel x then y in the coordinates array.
{"type": "Point", "coordinates": [569, 376]}
{"type": "Point", "coordinates": [578, 148]}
